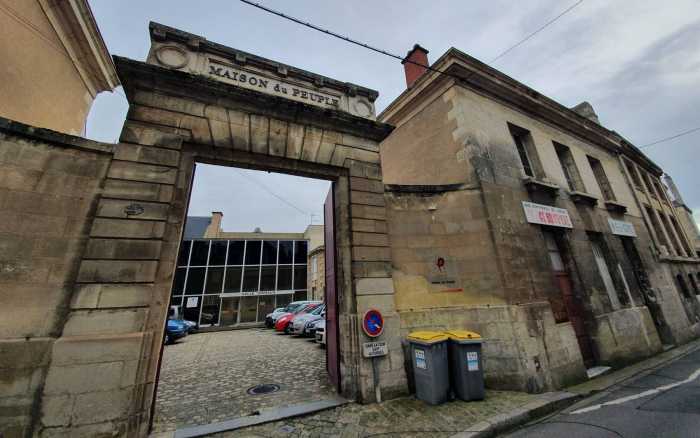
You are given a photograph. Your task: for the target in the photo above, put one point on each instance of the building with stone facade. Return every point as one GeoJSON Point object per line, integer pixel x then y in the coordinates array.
{"type": "Point", "coordinates": [685, 214]}
{"type": "Point", "coordinates": [514, 216]}
{"type": "Point", "coordinates": [54, 63]}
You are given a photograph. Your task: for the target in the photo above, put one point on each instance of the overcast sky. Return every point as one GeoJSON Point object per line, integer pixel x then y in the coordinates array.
{"type": "Point", "coordinates": [636, 61]}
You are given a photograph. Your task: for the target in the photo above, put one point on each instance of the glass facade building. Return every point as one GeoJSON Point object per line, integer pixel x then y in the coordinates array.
{"type": "Point", "coordinates": [222, 282]}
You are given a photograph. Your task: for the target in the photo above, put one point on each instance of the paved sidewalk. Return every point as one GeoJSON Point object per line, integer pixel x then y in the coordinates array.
{"type": "Point", "coordinates": [204, 377]}
{"type": "Point", "coordinates": [404, 417]}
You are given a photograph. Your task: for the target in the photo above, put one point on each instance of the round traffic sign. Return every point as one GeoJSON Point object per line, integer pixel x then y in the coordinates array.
{"type": "Point", "coordinates": [373, 323]}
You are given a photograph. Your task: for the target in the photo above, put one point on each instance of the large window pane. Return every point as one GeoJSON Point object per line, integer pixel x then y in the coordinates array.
{"type": "Point", "coordinates": [191, 311]}
{"type": "Point", "coordinates": [179, 281]}
{"type": "Point", "coordinates": [300, 252]}
{"type": "Point", "coordinates": [200, 250]}
{"type": "Point", "coordinates": [300, 295]}
{"type": "Point", "coordinates": [286, 249]}
{"type": "Point", "coordinates": [184, 253]}
{"type": "Point", "coordinates": [215, 279]}
{"type": "Point", "coordinates": [217, 255]}
{"type": "Point", "coordinates": [210, 310]}
{"type": "Point", "coordinates": [235, 252]}
{"type": "Point", "coordinates": [252, 252]}
{"type": "Point", "coordinates": [195, 281]}
{"type": "Point", "coordinates": [300, 277]}
{"type": "Point", "coordinates": [284, 278]}
{"type": "Point", "coordinates": [283, 300]}
{"type": "Point", "coordinates": [250, 278]}
{"type": "Point", "coordinates": [266, 304]}
{"type": "Point", "coordinates": [229, 311]}
{"type": "Point", "coordinates": [267, 278]}
{"type": "Point", "coordinates": [249, 309]}
{"type": "Point", "coordinates": [269, 252]}
{"type": "Point", "coordinates": [233, 279]}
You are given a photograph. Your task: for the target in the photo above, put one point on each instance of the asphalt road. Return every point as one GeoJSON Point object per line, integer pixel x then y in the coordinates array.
{"type": "Point", "coordinates": [665, 403]}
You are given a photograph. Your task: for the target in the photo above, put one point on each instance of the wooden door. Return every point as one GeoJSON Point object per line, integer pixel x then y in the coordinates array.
{"type": "Point", "coordinates": [572, 304]}
{"type": "Point", "coordinates": [331, 296]}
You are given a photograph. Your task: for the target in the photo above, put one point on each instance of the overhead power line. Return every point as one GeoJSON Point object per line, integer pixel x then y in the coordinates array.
{"type": "Point", "coordinates": [681, 134]}
{"type": "Point", "coordinates": [393, 55]}
{"type": "Point", "coordinates": [543, 27]}
{"type": "Point", "coordinates": [264, 187]}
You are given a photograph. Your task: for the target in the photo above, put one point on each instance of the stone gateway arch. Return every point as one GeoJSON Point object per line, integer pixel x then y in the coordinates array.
{"type": "Point", "coordinates": [197, 101]}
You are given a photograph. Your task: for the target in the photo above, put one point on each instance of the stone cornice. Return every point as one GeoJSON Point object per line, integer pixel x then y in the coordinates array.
{"type": "Point", "coordinates": [198, 43]}
{"type": "Point", "coordinates": [55, 138]}
{"type": "Point", "coordinates": [77, 29]}
{"type": "Point", "coordinates": [471, 73]}
{"type": "Point", "coordinates": [152, 78]}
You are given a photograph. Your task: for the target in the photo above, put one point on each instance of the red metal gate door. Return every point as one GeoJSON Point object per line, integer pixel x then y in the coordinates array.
{"type": "Point", "coordinates": [331, 296]}
{"type": "Point", "coordinates": [574, 309]}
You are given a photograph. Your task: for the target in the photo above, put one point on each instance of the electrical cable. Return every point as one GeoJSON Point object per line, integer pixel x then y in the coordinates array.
{"type": "Point", "coordinates": [690, 131]}
{"type": "Point", "coordinates": [393, 55]}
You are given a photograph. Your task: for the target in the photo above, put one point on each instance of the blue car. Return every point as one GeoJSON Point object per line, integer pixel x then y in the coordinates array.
{"type": "Point", "coordinates": [175, 329]}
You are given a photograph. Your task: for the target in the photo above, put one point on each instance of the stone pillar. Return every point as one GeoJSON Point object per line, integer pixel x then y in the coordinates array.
{"type": "Point", "coordinates": [103, 367]}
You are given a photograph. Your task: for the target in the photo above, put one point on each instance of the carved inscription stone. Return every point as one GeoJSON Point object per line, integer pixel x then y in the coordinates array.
{"type": "Point", "coordinates": [265, 84]}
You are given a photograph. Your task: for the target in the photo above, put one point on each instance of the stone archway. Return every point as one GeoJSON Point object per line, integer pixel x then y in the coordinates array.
{"type": "Point", "coordinates": [178, 115]}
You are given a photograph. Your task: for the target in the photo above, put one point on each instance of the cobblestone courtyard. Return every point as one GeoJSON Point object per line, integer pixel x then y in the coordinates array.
{"type": "Point", "coordinates": [204, 377]}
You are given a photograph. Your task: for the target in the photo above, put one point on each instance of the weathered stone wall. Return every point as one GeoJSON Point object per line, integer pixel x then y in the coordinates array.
{"type": "Point", "coordinates": [49, 185]}
{"type": "Point", "coordinates": [477, 224]}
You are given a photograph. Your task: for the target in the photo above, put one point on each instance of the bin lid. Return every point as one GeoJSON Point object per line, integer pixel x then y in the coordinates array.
{"type": "Point", "coordinates": [463, 335]}
{"type": "Point", "coordinates": [427, 337]}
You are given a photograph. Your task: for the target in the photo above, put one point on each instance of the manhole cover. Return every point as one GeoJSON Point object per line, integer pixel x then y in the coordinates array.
{"type": "Point", "coordinates": [263, 389]}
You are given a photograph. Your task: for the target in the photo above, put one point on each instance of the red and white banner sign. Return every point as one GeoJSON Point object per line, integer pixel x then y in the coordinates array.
{"type": "Point", "coordinates": [547, 215]}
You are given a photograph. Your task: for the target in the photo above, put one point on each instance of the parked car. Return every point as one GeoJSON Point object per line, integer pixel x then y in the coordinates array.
{"type": "Point", "coordinates": [174, 314]}
{"type": "Point", "coordinates": [300, 323]}
{"type": "Point", "coordinates": [174, 330]}
{"type": "Point", "coordinates": [271, 318]}
{"type": "Point", "coordinates": [310, 329]}
{"type": "Point", "coordinates": [321, 332]}
{"type": "Point", "coordinates": [282, 324]}
{"type": "Point", "coordinates": [269, 323]}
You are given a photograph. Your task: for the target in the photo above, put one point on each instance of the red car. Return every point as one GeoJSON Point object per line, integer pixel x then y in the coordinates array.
{"type": "Point", "coordinates": [282, 324]}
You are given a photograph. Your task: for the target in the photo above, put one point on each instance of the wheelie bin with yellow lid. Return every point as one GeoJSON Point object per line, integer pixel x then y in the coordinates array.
{"type": "Point", "coordinates": [466, 364]}
{"type": "Point", "coordinates": [430, 369]}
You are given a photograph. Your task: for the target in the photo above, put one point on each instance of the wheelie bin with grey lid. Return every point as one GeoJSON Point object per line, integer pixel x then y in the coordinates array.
{"type": "Point", "coordinates": [430, 369]}
{"type": "Point", "coordinates": [466, 364]}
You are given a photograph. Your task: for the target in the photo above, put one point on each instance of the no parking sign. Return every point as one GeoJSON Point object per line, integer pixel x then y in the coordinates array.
{"type": "Point", "coordinates": [373, 323]}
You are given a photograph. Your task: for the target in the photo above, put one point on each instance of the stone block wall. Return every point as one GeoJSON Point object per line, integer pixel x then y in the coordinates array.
{"type": "Point", "coordinates": [523, 348]}
{"type": "Point", "coordinates": [49, 186]}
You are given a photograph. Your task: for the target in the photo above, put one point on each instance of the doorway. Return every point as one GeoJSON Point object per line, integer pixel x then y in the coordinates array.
{"type": "Point", "coordinates": [572, 307]}
{"type": "Point", "coordinates": [231, 276]}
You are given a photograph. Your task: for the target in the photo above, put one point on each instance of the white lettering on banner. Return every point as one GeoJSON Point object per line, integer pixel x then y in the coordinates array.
{"type": "Point", "coordinates": [622, 228]}
{"type": "Point", "coordinates": [374, 349]}
{"type": "Point", "coordinates": [255, 294]}
{"type": "Point", "coordinates": [547, 215]}
{"type": "Point", "coordinates": [264, 84]}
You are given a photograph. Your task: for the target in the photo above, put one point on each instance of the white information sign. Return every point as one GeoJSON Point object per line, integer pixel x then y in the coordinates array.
{"type": "Point", "coordinates": [420, 360]}
{"type": "Point", "coordinates": [622, 228]}
{"type": "Point", "coordinates": [547, 215]}
{"type": "Point", "coordinates": [374, 349]}
{"type": "Point", "coordinates": [192, 301]}
{"type": "Point", "coordinates": [472, 361]}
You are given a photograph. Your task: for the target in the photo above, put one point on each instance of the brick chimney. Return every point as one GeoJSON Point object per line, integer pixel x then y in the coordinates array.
{"type": "Point", "coordinates": [417, 55]}
{"type": "Point", "coordinates": [214, 227]}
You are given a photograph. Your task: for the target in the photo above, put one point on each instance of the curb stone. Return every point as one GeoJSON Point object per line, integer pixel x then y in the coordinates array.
{"type": "Point", "coordinates": [545, 404]}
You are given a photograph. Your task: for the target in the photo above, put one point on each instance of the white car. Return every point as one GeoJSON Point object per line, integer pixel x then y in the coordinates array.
{"type": "Point", "coordinates": [321, 332]}
{"type": "Point", "coordinates": [301, 323]}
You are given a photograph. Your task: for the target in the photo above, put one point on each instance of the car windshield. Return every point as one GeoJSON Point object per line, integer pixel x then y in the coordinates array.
{"type": "Point", "coordinates": [318, 310]}
{"type": "Point", "coordinates": [293, 307]}
{"type": "Point", "coordinates": [307, 308]}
